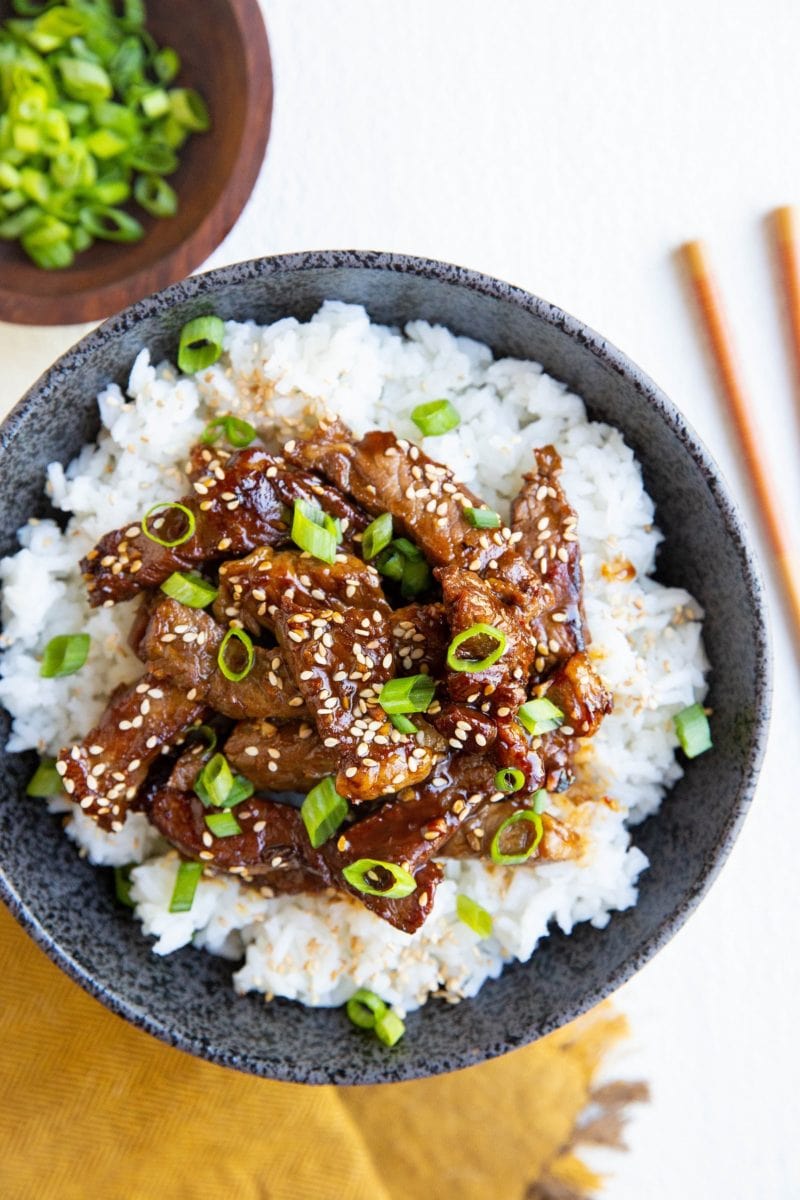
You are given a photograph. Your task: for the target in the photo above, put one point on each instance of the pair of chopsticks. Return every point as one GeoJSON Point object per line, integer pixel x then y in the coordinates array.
{"type": "Point", "coordinates": [785, 229]}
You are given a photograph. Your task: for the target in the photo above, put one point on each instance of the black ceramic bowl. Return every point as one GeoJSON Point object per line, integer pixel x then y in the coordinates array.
{"type": "Point", "coordinates": [69, 907]}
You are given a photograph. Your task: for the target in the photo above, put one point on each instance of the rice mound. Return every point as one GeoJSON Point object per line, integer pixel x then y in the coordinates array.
{"type": "Point", "coordinates": [646, 640]}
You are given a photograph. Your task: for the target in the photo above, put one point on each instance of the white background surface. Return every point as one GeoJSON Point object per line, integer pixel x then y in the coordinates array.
{"type": "Point", "coordinates": [568, 147]}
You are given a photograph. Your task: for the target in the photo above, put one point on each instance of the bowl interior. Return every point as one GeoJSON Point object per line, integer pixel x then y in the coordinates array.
{"type": "Point", "coordinates": [224, 55]}
{"type": "Point", "coordinates": [69, 906]}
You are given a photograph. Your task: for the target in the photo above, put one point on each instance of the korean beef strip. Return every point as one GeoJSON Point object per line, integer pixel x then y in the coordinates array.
{"type": "Point", "coordinates": [339, 662]}
{"type": "Point", "coordinates": [386, 474]}
{"type": "Point", "coordinates": [269, 848]}
{"type": "Point", "coordinates": [285, 757]}
{"type": "Point", "coordinates": [104, 772]}
{"type": "Point", "coordinates": [578, 692]}
{"type": "Point", "coordinates": [422, 783]}
{"type": "Point", "coordinates": [471, 603]}
{"type": "Point", "coordinates": [246, 503]}
{"type": "Point", "coordinates": [251, 589]}
{"type": "Point", "coordinates": [273, 849]}
{"type": "Point", "coordinates": [183, 644]}
{"type": "Point", "coordinates": [543, 517]}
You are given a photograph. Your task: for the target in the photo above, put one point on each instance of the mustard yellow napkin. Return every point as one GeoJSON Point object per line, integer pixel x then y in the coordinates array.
{"type": "Point", "coordinates": [92, 1108]}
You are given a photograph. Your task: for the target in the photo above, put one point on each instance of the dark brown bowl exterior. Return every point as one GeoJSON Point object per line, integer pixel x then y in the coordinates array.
{"type": "Point", "coordinates": [68, 906]}
{"type": "Point", "coordinates": [225, 55]}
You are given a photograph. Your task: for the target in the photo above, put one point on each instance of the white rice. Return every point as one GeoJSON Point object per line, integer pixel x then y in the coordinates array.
{"type": "Point", "coordinates": [646, 640]}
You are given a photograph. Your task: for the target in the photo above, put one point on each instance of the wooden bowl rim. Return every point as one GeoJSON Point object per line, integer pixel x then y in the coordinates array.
{"type": "Point", "coordinates": [91, 302]}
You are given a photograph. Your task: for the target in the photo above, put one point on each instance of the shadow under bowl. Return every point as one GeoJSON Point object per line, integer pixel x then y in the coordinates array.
{"type": "Point", "coordinates": [69, 907]}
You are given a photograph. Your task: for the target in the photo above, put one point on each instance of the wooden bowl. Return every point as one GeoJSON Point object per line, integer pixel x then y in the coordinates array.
{"type": "Point", "coordinates": [225, 54]}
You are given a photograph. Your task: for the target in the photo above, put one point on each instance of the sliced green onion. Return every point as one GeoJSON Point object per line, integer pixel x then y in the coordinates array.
{"type": "Point", "coordinates": [402, 723]}
{"type": "Point", "coordinates": [416, 579]}
{"type": "Point", "coordinates": [191, 590]}
{"type": "Point", "coordinates": [377, 535]}
{"type": "Point", "coordinates": [166, 64]}
{"type": "Point", "coordinates": [391, 564]}
{"type": "Point", "coordinates": [223, 824]}
{"type": "Point", "coordinates": [64, 655]}
{"type": "Point", "coordinates": [218, 787]}
{"type": "Point", "coordinates": [314, 513]}
{"type": "Point", "coordinates": [110, 224]}
{"type": "Point", "coordinates": [509, 779]}
{"type": "Point", "coordinates": [389, 1028]}
{"type": "Point", "coordinates": [208, 735]}
{"type": "Point", "coordinates": [45, 780]}
{"type": "Point", "coordinates": [155, 158]}
{"type": "Point", "coordinates": [154, 103]}
{"type": "Point", "coordinates": [155, 196]}
{"type": "Point", "coordinates": [200, 344]}
{"type": "Point", "coordinates": [438, 416]}
{"type": "Point", "coordinates": [363, 876]}
{"type": "Point", "coordinates": [474, 915]}
{"type": "Point", "coordinates": [189, 109]}
{"type": "Point", "coordinates": [238, 432]}
{"type": "Point", "coordinates": [228, 671]}
{"type": "Point", "coordinates": [540, 716]}
{"type": "Point", "coordinates": [166, 505]}
{"type": "Point", "coordinates": [364, 1008]}
{"type": "Point", "coordinates": [215, 782]}
{"type": "Point", "coordinates": [323, 811]}
{"type": "Point", "coordinates": [476, 664]}
{"type": "Point", "coordinates": [539, 800]}
{"type": "Point", "coordinates": [525, 814]}
{"type": "Point", "coordinates": [409, 695]}
{"type": "Point", "coordinates": [104, 143]}
{"type": "Point", "coordinates": [310, 536]}
{"type": "Point", "coordinates": [408, 549]}
{"type": "Point", "coordinates": [122, 885]}
{"type": "Point", "coordinates": [483, 518]}
{"type": "Point", "coordinates": [84, 80]}
{"type": "Point", "coordinates": [693, 730]}
{"type": "Point", "coordinates": [186, 882]}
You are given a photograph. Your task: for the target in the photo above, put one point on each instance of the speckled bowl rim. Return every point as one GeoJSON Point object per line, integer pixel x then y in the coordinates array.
{"type": "Point", "coordinates": [202, 285]}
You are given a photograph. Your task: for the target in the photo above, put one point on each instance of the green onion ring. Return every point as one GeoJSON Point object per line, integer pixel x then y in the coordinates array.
{"type": "Point", "coordinates": [186, 882]}
{"type": "Point", "coordinates": [240, 636]}
{"type": "Point", "coordinates": [509, 779]}
{"type": "Point", "coordinates": [411, 694]}
{"type": "Point", "coordinates": [223, 824]}
{"type": "Point", "coordinates": [364, 1008]}
{"type": "Point", "coordinates": [312, 536]}
{"type": "Point", "coordinates": [402, 724]}
{"type": "Point", "coordinates": [693, 730]}
{"type": "Point", "coordinates": [356, 875]}
{"type": "Point", "coordinates": [483, 518]}
{"type": "Point", "coordinates": [64, 655]}
{"type": "Point", "coordinates": [191, 590]}
{"type": "Point", "coordinates": [45, 780]}
{"type": "Point", "coordinates": [191, 523]}
{"type": "Point", "coordinates": [389, 1028]}
{"type": "Point", "coordinates": [474, 915]}
{"type": "Point", "coordinates": [238, 432]}
{"type": "Point", "coordinates": [435, 417]}
{"type": "Point", "coordinates": [376, 536]}
{"type": "Point", "coordinates": [511, 860]}
{"type": "Point", "coordinates": [122, 884]}
{"type": "Point", "coordinates": [323, 811]}
{"type": "Point", "coordinates": [200, 344]}
{"type": "Point", "coordinates": [540, 716]}
{"type": "Point", "coordinates": [471, 664]}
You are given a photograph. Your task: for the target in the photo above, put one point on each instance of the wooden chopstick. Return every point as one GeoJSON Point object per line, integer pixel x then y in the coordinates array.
{"type": "Point", "coordinates": [695, 259]}
{"type": "Point", "coordinates": [785, 232]}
